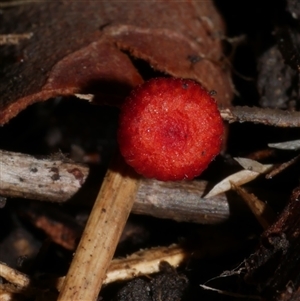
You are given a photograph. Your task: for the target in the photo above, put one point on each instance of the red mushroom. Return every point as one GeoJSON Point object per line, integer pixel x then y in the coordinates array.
{"type": "Point", "coordinates": [170, 129]}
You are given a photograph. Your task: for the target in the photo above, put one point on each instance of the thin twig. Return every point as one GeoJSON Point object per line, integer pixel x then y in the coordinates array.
{"type": "Point", "coordinates": [282, 167]}
{"type": "Point", "coordinates": [54, 180]}
{"type": "Point", "coordinates": [272, 117]}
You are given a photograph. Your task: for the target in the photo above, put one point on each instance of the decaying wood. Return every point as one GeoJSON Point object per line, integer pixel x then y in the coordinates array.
{"type": "Point", "coordinates": [274, 267]}
{"type": "Point", "coordinates": [14, 276]}
{"type": "Point", "coordinates": [50, 179]}
{"type": "Point", "coordinates": [181, 201]}
{"type": "Point", "coordinates": [102, 233]}
{"type": "Point", "coordinates": [55, 181]}
{"type": "Point", "coordinates": [272, 117]}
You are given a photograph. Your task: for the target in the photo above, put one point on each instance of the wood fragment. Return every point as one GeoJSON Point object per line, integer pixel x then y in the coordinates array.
{"type": "Point", "coordinates": [272, 117]}
{"type": "Point", "coordinates": [13, 276]}
{"type": "Point", "coordinates": [144, 262]}
{"type": "Point", "coordinates": [42, 179]}
{"type": "Point", "coordinates": [101, 235]}
{"type": "Point", "coordinates": [181, 201]}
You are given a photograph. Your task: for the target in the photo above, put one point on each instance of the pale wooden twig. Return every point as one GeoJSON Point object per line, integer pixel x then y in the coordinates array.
{"type": "Point", "coordinates": [141, 263]}
{"type": "Point", "coordinates": [272, 117]}
{"type": "Point", "coordinates": [101, 235]}
{"type": "Point", "coordinates": [14, 276]}
{"type": "Point", "coordinates": [28, 177]}
{"type": "Point", "coordinates": [182, 201]}
{"type": "Point", "coordinates": [50, 179]}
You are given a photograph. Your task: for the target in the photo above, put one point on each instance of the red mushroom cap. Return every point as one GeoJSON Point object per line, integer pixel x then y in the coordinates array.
{"type": "Point", "coordinates": [170, 129]}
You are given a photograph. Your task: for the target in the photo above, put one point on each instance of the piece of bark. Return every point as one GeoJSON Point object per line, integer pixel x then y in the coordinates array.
{"type": "Point", "coordinates": [274, 267]}
{"type": "Point", "coordinates": [76, 47]}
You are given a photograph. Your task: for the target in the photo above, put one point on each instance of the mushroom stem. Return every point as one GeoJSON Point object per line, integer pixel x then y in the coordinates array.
{"type": "Point", "coordinates": [101, 235]}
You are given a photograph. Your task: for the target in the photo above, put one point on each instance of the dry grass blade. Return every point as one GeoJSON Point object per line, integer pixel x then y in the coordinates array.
{"type": "Point", "coordinates": [101, 235]}
{"type": "Point", "coordinates": [287, 145]}
{"type": "Point", "coordinates": [252, 170]}
{"type": "Point", "coordinates": [239, 178]}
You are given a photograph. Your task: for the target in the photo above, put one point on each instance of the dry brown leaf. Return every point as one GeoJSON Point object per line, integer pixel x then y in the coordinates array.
{"type": "Point", "coordinates": [77, 47]}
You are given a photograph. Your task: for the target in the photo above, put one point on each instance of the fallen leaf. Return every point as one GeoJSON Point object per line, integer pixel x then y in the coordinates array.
{"type": "Point", "coordinates": [83, 47]}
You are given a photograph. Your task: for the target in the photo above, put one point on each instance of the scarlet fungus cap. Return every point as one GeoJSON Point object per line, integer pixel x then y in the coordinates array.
{"type": "Point", "coordinates": [170, 129]}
